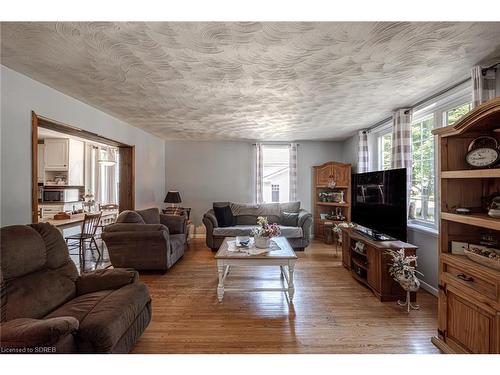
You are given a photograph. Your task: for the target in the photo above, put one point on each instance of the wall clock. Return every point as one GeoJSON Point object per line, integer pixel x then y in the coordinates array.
{"type": "Point", "coordinates": [483, 152]}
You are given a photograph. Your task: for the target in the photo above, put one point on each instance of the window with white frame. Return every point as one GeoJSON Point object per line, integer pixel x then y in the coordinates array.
{"type": "Point", "coordinates": [385, 150]}
{"type": "Point", "coordinates": [275, 193]}
{"type": "Point", "coordinates": [422, 193]}
{"type": "Point", "coordinates": [276, 173]}
{"type": "Point", "coordinates": [452, 115]}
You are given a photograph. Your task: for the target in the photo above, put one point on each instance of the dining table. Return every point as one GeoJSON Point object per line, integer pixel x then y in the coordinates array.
{"type": "Point", "coordinates": [76, 220]}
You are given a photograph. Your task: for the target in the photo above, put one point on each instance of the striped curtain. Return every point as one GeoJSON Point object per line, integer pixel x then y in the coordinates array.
{"type": "Point", "coordinates": [293, 172]}
{"type": "Point", "coordinates": [401, 144]}
{"type": "Point", "coordinates": [363, 152]}
{"type": "Point", "coordinates": [259, 171]}
{"type": "Point", "coordinates": [483, 85]}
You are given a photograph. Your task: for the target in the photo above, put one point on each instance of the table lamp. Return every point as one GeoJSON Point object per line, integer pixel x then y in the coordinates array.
{"type": "Point", "coordinates": [173, 197]}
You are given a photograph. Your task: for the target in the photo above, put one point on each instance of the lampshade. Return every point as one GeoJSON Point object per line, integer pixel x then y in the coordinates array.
{"type": "Point", "coordinates": [173, 197]}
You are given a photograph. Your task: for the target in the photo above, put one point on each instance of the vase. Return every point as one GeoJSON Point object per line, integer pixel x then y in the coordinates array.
{"type": "Point", "coordinates": [262, 242]}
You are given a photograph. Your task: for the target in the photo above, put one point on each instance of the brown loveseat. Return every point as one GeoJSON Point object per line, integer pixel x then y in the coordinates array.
{"type": "Point", "coordinates": [146, 240]}
{"type": "Point", "coordinates": [46, 307]}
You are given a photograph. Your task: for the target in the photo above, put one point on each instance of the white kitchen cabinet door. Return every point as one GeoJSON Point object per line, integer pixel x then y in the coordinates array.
{"type": "Point", "coordinates": [76, 163]}
{"type": "Point", "coordinates": [56, 154]}
{"type": "Point", "coordinates": [41, 163]}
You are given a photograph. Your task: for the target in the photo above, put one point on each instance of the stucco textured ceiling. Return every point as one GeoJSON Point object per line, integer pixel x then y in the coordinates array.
{"type": "Point", "coordinates": [270, 80]}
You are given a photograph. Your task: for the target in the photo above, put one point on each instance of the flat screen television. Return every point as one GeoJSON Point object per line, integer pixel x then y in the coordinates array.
{"type": "Point", "coordinates": [379, 201]}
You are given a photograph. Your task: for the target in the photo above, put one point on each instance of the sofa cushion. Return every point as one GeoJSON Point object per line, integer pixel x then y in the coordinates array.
{"type": "Point", "coordinates": [291, 232]}
{"type": "Point", "coordinates": [26, 332]}
{"type": "Point", "coordinates": [128, 216]}
{"type": "Point", "coordinates": [289, 219]}
{"type": "Point", "coordinates": [224, 216]}
{"type": "Point", "coordinates": [56, 249]}
{"type": "Point", "coordinates": [293, 207]}
{"type": "Point", "coordinates": [233, 231]}
{"type": "Point", "coordinates": [105, 316]}
{"type": "Point", "coordinates": [245, 230]}
{"type": "Point", "coordinates": [36, 294]}
{"type": "Point", "coordinates": [150, 215]}
{"type": "Point", "coordinates": [265, 209]}
{"type": "Point", "coordinates": [22, 251]}
{"type": "Point", "coordinates": [177, 241]}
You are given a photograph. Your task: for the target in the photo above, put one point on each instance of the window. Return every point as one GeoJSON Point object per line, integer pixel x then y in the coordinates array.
{"type": "Point", "coordinates": [276, 176]}
{"type": "Point", "coordinates": [385, 149]}
{"type": "Point", "coordinates": [275, 193]}
{"type": "Point", "coordinates": [455, 114]}
{"type": "Point", "coordinates": [422, 195]}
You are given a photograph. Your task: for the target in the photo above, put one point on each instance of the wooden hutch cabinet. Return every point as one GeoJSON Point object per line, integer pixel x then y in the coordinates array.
{"type": "Point", "coordinates": [341, 174]}
{"type": "Point", "coordinates": [469, 292]}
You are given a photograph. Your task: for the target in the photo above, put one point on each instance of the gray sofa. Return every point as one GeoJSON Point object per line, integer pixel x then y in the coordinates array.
{"type": "Point", "coordinates": [245, 219]}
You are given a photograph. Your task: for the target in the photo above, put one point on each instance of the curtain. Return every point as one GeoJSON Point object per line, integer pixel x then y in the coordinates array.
{"type": "Point", "coordinates": [259, 170]}
{"type": "Point", "coordinates": [363, 152]}
{"type": "Point", "coordinates": [483, 85]}
{"type": "Point", "coordinates": [293, 172]}
{"type": "Point", "coordinates": [401, 144]}
{"type": "Point", "coordinates": [96, 185]}
{"type": "Point", "coordinates": [104, 179]}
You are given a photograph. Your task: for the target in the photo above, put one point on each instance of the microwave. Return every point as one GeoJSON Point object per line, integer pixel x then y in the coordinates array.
{"type": "Point", "coordinates": [60, 195]}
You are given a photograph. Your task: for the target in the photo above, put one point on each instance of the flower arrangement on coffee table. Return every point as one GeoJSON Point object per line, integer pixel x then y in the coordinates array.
{"type": "Point", "coordinates": [264, 232]}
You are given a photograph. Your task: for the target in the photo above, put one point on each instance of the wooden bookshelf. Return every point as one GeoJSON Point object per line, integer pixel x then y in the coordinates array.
{"type": "Point", "coordinates": [342, 175]}
{"type": "Point", "coordinates": [469, 293]}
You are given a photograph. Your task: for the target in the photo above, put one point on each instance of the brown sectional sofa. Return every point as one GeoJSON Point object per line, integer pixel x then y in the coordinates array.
{"type": "Point", "coordinates": [146, 240]}
{"type": "Point", "coordinates": [245, 217]}
{"type": "Point", "coordinates": [46, 305]}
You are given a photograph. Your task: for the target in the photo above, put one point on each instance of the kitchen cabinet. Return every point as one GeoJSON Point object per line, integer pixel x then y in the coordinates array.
{"type": "Point", "coordinates": [65, 155]}
{"type": "Point", "coordinates": [50, 209]}
{"type": "Point", "coordinates": [56, 154]}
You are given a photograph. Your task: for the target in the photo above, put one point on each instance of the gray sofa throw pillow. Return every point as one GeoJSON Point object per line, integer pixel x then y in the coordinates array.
{"type": "Point", "coordinates": [289, 219]}
{"type": "Point", "coordinates": [293, 207]}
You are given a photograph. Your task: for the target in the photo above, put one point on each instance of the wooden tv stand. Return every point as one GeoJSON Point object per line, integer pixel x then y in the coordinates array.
{"type": "Point", "coordinates": [372, 267]}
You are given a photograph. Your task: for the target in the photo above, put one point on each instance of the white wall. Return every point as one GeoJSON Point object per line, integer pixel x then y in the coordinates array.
{"type": "Point", "coordinates": [19, 96]}
{"type": "Point", "coordinates": [205, 171]}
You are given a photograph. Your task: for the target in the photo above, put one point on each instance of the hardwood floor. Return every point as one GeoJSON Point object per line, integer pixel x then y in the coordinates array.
{"type": "Point", "coordinates": [331, 313]}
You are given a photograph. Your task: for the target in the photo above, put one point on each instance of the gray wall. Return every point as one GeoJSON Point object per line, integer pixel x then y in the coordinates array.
{"type": "Point", "coordinates": [208, 171]}
{"type": "Point", "coordinates": [20, 95]}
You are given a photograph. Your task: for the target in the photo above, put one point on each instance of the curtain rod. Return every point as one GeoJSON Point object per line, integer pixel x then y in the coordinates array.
{"type": "Point", "coordinates": [275, 144]}
{"type": "Point", "coordinates": [422, 101]}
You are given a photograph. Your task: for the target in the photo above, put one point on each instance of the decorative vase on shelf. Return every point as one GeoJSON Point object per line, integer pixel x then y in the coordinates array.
{"type": "Point", "coordinates": [262, 242]}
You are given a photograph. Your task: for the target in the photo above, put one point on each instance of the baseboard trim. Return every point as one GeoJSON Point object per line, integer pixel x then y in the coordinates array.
{"type": "Point", "coordinates": [428, 288]}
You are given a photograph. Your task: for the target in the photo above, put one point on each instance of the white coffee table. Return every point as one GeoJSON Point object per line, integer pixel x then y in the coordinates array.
{"type": "Point", "coordinates": [284, 258]}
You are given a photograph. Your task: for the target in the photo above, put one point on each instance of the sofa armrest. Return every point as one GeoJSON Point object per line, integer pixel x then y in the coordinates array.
{"type": "Point", "coordinates": [176, 224]}
{"type": "Point", "coordinates": [105, 279]}
{"type": "Point", "coordinates": [134, 227]}
{"type": "Point", "coordinates": [303, 217]}
{"type": "Point", "coordinates": [26, 332]}
{"type": "Point", "coordinates": [209, 215]}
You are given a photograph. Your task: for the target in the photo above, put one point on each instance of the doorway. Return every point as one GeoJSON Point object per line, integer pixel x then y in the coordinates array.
{"type": "Point", "coordinates": [107, 148]}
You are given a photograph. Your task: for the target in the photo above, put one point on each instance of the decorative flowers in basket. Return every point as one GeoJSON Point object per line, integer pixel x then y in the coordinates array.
{"type": "Point", "coordinates": [338, 228]}
{"type": "Point", "coordinates": [264, 232]}
{"type": "Point", "coordinates": [403, 270]}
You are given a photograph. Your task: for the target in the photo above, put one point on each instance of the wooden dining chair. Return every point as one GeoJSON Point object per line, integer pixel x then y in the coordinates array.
{"type": "Point", "coordinates": [108, 219]}
{"type": "Point", "coordinates": [87, 235]}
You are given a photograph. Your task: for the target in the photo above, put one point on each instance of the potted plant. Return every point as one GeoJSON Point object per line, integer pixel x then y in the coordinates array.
{"type": "Point", "coordinates": [338, 228]}
{"type": "Point", "coordinates": [264, 232]}
{"type": "Point", "coordinates": [403, 270]}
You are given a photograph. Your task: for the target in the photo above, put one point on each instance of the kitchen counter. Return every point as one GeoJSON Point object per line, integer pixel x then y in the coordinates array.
{"type": "Point", "coordinates": [75, 220]}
